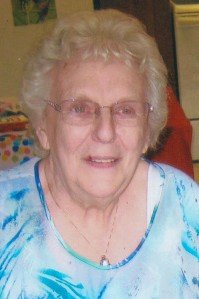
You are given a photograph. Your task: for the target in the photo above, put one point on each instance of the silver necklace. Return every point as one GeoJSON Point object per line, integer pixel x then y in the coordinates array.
{"type": "Point", "coordinates": [103, 261]}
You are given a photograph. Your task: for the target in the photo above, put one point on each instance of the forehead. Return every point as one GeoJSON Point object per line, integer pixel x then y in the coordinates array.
{"type": "Point", "coordinates": [98, 80]}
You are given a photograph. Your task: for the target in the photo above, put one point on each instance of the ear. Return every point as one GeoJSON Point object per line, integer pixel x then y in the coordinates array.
{"type": "Point", "coordinates": [42, 135]}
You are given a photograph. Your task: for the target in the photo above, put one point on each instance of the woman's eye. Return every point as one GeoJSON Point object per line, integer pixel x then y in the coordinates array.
{"type": "Point", "coordinates": [80, 108]}
{"type": "Point", "coordinates": [126, 111]}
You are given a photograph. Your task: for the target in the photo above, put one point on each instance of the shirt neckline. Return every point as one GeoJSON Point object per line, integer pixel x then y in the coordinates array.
{"type": "Point", "coordinates": [74, 253]}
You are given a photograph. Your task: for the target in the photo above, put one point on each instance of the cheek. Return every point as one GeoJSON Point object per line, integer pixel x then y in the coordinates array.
{"type": "Point", "coordinates": [134, 139]}
{"type": "Point", "coordinates": [70, 140]}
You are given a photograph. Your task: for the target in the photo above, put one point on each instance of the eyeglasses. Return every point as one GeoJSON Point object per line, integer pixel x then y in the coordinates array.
{"type": "Point", "coordinates": [83, 112]}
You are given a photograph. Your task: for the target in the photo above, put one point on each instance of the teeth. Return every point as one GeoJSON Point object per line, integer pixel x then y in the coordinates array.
{"type": "Point", "coordinates": [103, 160]}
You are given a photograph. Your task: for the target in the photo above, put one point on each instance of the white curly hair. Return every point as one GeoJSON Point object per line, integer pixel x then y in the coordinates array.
{"type": "Point", "coordinates": [99, 34]}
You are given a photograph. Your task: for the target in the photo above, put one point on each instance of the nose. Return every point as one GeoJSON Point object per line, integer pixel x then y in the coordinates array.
{"type": "Point", "coordinates": [104, 127]}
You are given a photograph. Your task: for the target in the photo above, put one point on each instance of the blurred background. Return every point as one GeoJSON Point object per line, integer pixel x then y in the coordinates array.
{"type": "Point", "coordinates": [174, 24]}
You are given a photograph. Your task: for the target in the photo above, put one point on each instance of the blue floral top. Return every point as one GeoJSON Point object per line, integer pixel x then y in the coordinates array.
{"type": "Point", "coordinates": [36, 263]}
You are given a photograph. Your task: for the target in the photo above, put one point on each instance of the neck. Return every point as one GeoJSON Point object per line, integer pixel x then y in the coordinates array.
{"type": "Point", "coordinates": [91, 230]}
{"type": "Point", "coordinates": [79, 217]}
{"type": "Point", "coordinates": [71, 194]}
{"type": "Point", "coordinates": [94, 209]}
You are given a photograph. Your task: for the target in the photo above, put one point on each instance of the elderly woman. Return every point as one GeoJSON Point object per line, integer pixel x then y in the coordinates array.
{"type": "Point", "coordinates": [93, 218]}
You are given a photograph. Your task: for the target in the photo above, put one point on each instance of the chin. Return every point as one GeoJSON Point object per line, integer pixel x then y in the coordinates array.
{"type": "Point", "coordinates": [103, 189]}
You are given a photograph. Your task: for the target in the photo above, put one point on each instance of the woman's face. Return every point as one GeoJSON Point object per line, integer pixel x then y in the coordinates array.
{"type": "Point", "coordinates": [98, 159]}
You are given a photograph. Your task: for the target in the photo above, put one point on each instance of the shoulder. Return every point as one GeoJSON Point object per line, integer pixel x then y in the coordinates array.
{"type": "Point", "coordinates": [16, 185]}
{"type": "Point", "coordinates": [181, 179]}
{"type": "Point", "coordinates": [185, 187]}
{"type": "Point", "coordinates": [16, 179]}
{"type": "Point", "coordinates": [18, 171]}
{"type": "Point", "coordinates": [175, 180]}
{"type": "Point", "coordinates": [184, 190]}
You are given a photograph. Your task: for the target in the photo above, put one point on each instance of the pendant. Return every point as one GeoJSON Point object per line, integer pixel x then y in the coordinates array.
{"type": "Point", "coordinates": [104, 261]}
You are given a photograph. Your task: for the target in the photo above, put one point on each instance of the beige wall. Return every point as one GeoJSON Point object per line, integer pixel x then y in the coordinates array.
{"type": "Point", "coordinates": [16, 42]}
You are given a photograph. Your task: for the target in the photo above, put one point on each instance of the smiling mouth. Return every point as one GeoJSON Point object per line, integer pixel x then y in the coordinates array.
{"type": "Point", "coordinates": [102, 162]}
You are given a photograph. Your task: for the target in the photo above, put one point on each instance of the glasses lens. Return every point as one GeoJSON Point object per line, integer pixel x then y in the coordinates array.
{"type": "Point", "coordinates": [129, 112]}
{"type": "Point", "coordinates": [78, 112]}
{"type": "Point", "coordinates": [82, 112]}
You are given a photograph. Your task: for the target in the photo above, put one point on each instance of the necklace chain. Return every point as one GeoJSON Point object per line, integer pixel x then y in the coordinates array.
{"type": "Point", "coordinates": [104, 261]}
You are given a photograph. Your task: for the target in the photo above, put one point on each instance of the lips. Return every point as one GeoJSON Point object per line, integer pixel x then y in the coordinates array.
{"type": "Point", "coordinates": [102, 162]}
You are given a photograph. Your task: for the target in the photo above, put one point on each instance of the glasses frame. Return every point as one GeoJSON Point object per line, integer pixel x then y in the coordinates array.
{"type": "Point", "coordinates": [58, 107]}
